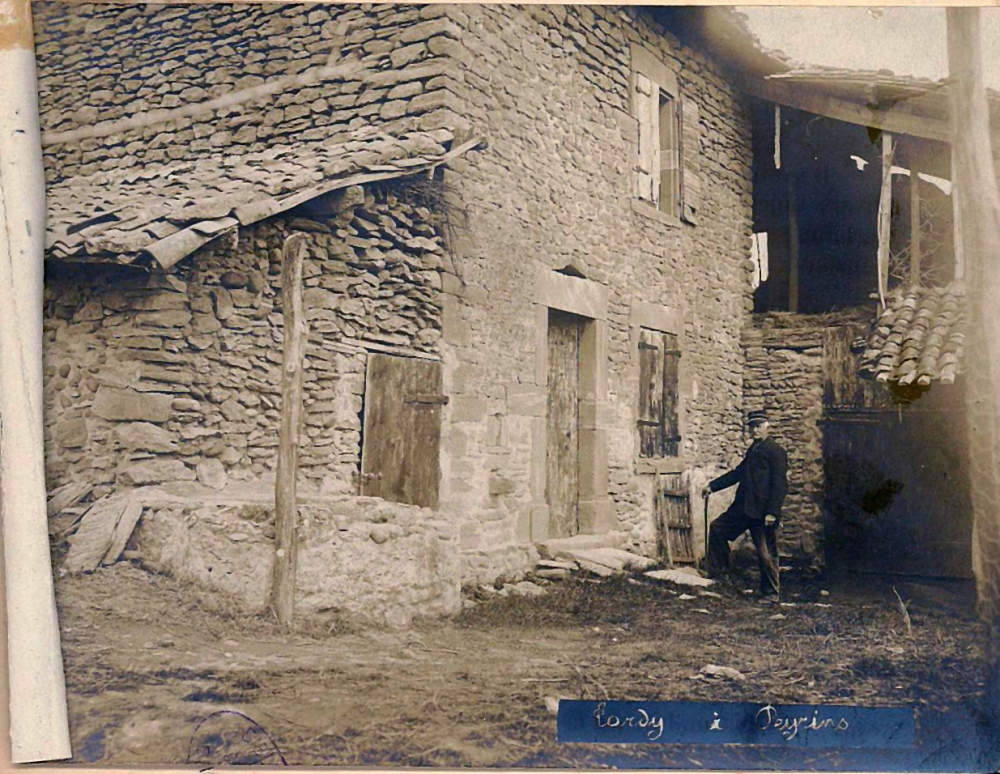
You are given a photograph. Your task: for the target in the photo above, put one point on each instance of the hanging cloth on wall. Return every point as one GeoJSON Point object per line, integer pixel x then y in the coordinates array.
{"type": "Point", "coordinates": [777, 136]}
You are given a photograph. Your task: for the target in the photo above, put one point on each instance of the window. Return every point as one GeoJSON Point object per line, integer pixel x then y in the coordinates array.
{"type": "Point", "coordinates": [667, 174]}
{"type": "Point", "coordinates": [659, 427]}
{"type": "Point", "coordinates": [659, 170]}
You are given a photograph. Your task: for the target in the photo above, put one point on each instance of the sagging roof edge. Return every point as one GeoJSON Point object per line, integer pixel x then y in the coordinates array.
{"type": "Point", "coordinates": [167, 252]}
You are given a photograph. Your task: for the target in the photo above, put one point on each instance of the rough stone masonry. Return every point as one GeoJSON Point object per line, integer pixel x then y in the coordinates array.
{"type": "Point", "coordinates": [169, 380]}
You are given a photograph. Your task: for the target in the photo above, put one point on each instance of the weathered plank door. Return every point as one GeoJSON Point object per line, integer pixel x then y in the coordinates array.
{"type": "Point", "coordinates": [673, 520]}
{"type": "Point", "coordinates": [400, 458]}
{"type": "Point", "coordinates": [562, 486]}
{"type": "Point", "coordinates": [896, 496]}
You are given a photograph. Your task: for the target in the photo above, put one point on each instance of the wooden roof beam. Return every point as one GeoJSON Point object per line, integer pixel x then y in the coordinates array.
{"type": "Point", "coordinates": [895, 120]}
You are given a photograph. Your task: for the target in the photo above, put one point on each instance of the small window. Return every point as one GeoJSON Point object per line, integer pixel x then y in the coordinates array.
{"type": "Point", "coordinates": [659, 169]}
{"type": "Point", "coordinates": [659, 428]}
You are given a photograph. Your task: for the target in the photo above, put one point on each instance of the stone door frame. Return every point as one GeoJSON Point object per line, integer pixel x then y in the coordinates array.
{"type": "Point", "coordinates": [589, 300]}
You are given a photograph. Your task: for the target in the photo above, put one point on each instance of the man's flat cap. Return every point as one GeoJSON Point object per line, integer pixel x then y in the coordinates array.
{"type": "Point", "coordinates": [756, 417]}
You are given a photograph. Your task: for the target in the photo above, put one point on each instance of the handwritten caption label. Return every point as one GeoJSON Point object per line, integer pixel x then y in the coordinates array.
{"type": "Point", "coordinates": [683, 722]}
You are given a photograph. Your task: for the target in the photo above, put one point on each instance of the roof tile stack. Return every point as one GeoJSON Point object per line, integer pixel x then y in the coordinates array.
{"type": "Point", "coordinates": [919, 338]}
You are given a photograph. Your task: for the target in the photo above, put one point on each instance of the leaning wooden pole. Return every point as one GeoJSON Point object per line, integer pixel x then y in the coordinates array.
{"type": "Point", "coordinates": [978, 203]}
{"type": "Point", "coordinates": [292, 366]}
{"type": "Point", "coordinates": [884, 218]}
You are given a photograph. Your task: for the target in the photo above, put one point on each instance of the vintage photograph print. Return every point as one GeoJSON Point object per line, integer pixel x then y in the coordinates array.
{"type": "Point", "coordinates": [522, 385]}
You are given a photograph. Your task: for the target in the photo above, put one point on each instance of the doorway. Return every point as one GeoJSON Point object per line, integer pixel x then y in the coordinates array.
{"type": "Point", "coordinates": [562, 488]}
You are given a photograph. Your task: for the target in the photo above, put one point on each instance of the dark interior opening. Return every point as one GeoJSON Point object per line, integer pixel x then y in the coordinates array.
{"type": "Point", "coordinates": [824, 196]}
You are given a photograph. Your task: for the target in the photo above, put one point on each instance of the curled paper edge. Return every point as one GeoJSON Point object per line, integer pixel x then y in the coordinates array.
{"type": "Point", "coordinates": [39, 728]}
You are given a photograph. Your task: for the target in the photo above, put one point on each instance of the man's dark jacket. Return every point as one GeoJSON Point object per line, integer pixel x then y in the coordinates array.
{"type": "Point", "coordinates": [762, 477]}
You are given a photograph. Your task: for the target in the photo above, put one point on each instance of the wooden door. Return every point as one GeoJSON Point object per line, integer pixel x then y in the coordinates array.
{"type": "Point", "coordinates": [562, 486]}
{"type": "Point", "coordinates": [402, 430]}
{"type": "Point", "coordinates": [896, 494]}
{"type": "Point", "coordinates": [897, 497]}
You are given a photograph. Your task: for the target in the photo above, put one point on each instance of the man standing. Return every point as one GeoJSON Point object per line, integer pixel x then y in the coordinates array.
{"type": "Point", "coordinates": [762, 484]}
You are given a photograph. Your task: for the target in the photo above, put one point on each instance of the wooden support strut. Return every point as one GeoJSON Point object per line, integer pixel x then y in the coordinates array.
{"type": "Point", "coordinates": [884, 215]}
{"type": "Point", "coordinates": [293, 357]}
{"type": "Point", "coordinates": [916, 257]}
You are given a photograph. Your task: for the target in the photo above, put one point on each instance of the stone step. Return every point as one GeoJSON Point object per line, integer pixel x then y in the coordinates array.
{"type": "Point", "coordinates": [628, 559]}
{"type": "Point", "coordinates": [555, 564]}
{"type": "Point", "coordinates": [681, 576]}
{"type": "Point", "coordinates": [553, 573]}
{"type": "Point", "coordinates": [598, 568]}
{"type": "Point", "coordinates": [549, 549]}
{"type": "Point", "coordinates": [612, 559]}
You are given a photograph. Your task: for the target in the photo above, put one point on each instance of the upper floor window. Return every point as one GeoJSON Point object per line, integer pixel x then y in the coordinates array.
{"type": "Point", "coordinates": [658, 113]}
{"type": "Point", "coordinates": [666, 170]}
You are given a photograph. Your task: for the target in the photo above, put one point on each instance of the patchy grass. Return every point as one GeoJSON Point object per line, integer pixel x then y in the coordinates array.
{"type": "Point", "coordinates": [138, 596]}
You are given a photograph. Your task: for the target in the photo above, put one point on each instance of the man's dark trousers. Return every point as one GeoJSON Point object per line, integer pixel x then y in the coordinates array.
{"type": "Point", "coordinates": [729, 526]}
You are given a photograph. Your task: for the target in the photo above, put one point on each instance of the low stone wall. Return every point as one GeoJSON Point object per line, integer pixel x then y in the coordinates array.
{"type": "Point", "coordinates": [784, 376]}
{"type": "Point", "coordinates": [375, 561]}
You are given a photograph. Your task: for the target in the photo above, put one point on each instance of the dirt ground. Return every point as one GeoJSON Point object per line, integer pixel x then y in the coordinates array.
{"type": "Point", "coordinates": [161, 671]}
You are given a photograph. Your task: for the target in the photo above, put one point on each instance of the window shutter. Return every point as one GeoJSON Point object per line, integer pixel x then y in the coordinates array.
{"type": "Point", "coordinates": [646, 101]}
{"type": "Point", "coordinates": [650, 394]}
{"type": "Point", "coordinates": [402, 432]}
{"type": "Point", "coordinates": [690, 159]}
{"type": "Point", "coordinates": [671, 425]}
{"type": "Point", "coordinates": [659, 409]}
{"type": "Point", "coordinates": [670, 168]}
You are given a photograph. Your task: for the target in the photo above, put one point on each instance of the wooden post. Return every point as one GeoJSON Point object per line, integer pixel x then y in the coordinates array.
{"type": "Point", "coordinates": [793, 248]}
{"type": "Point", "coordinates": [978, 201]}
{"type": "Point", "coordinates": [292, 366]}
{"type": "Point", "coordinates": [884, 214]}
{"type": "Point", "coordinates": [915, 256]}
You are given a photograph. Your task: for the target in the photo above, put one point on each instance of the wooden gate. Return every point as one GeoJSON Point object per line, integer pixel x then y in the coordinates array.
{"type": "Point", "coordinates": [673, 520]}
{"type": "Point", "coordinates": [402, 430]}
{"type": "Point", "coordinates": [896, 475]}
{"type": "Point", "coordinates": [562, 487]}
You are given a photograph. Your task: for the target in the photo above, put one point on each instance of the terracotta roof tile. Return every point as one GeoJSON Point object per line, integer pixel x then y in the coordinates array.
{"type": "Point", "coordinates": [918, 338]}
{"type": "Point", "coordinates": [165, 212]}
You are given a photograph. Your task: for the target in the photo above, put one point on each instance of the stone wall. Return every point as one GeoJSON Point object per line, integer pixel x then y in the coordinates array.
{"type": "Point", "coordinates": [784, 376]}
{"type": "Point", "coordinates": [556, 188]}
{"type": "Point", "coordinates": [153, 379]}
{"type": "Point", "coordinates": [378, 562]}
{"type": "Point", "coordinates": [105, 70]}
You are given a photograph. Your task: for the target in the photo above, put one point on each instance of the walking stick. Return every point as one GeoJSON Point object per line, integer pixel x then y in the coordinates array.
{"type": "Point", "coordinates": [705, 559]}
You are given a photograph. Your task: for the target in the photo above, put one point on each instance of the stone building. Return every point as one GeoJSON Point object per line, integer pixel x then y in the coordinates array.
{"type": "Point", "coordinates": [527, 281]}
